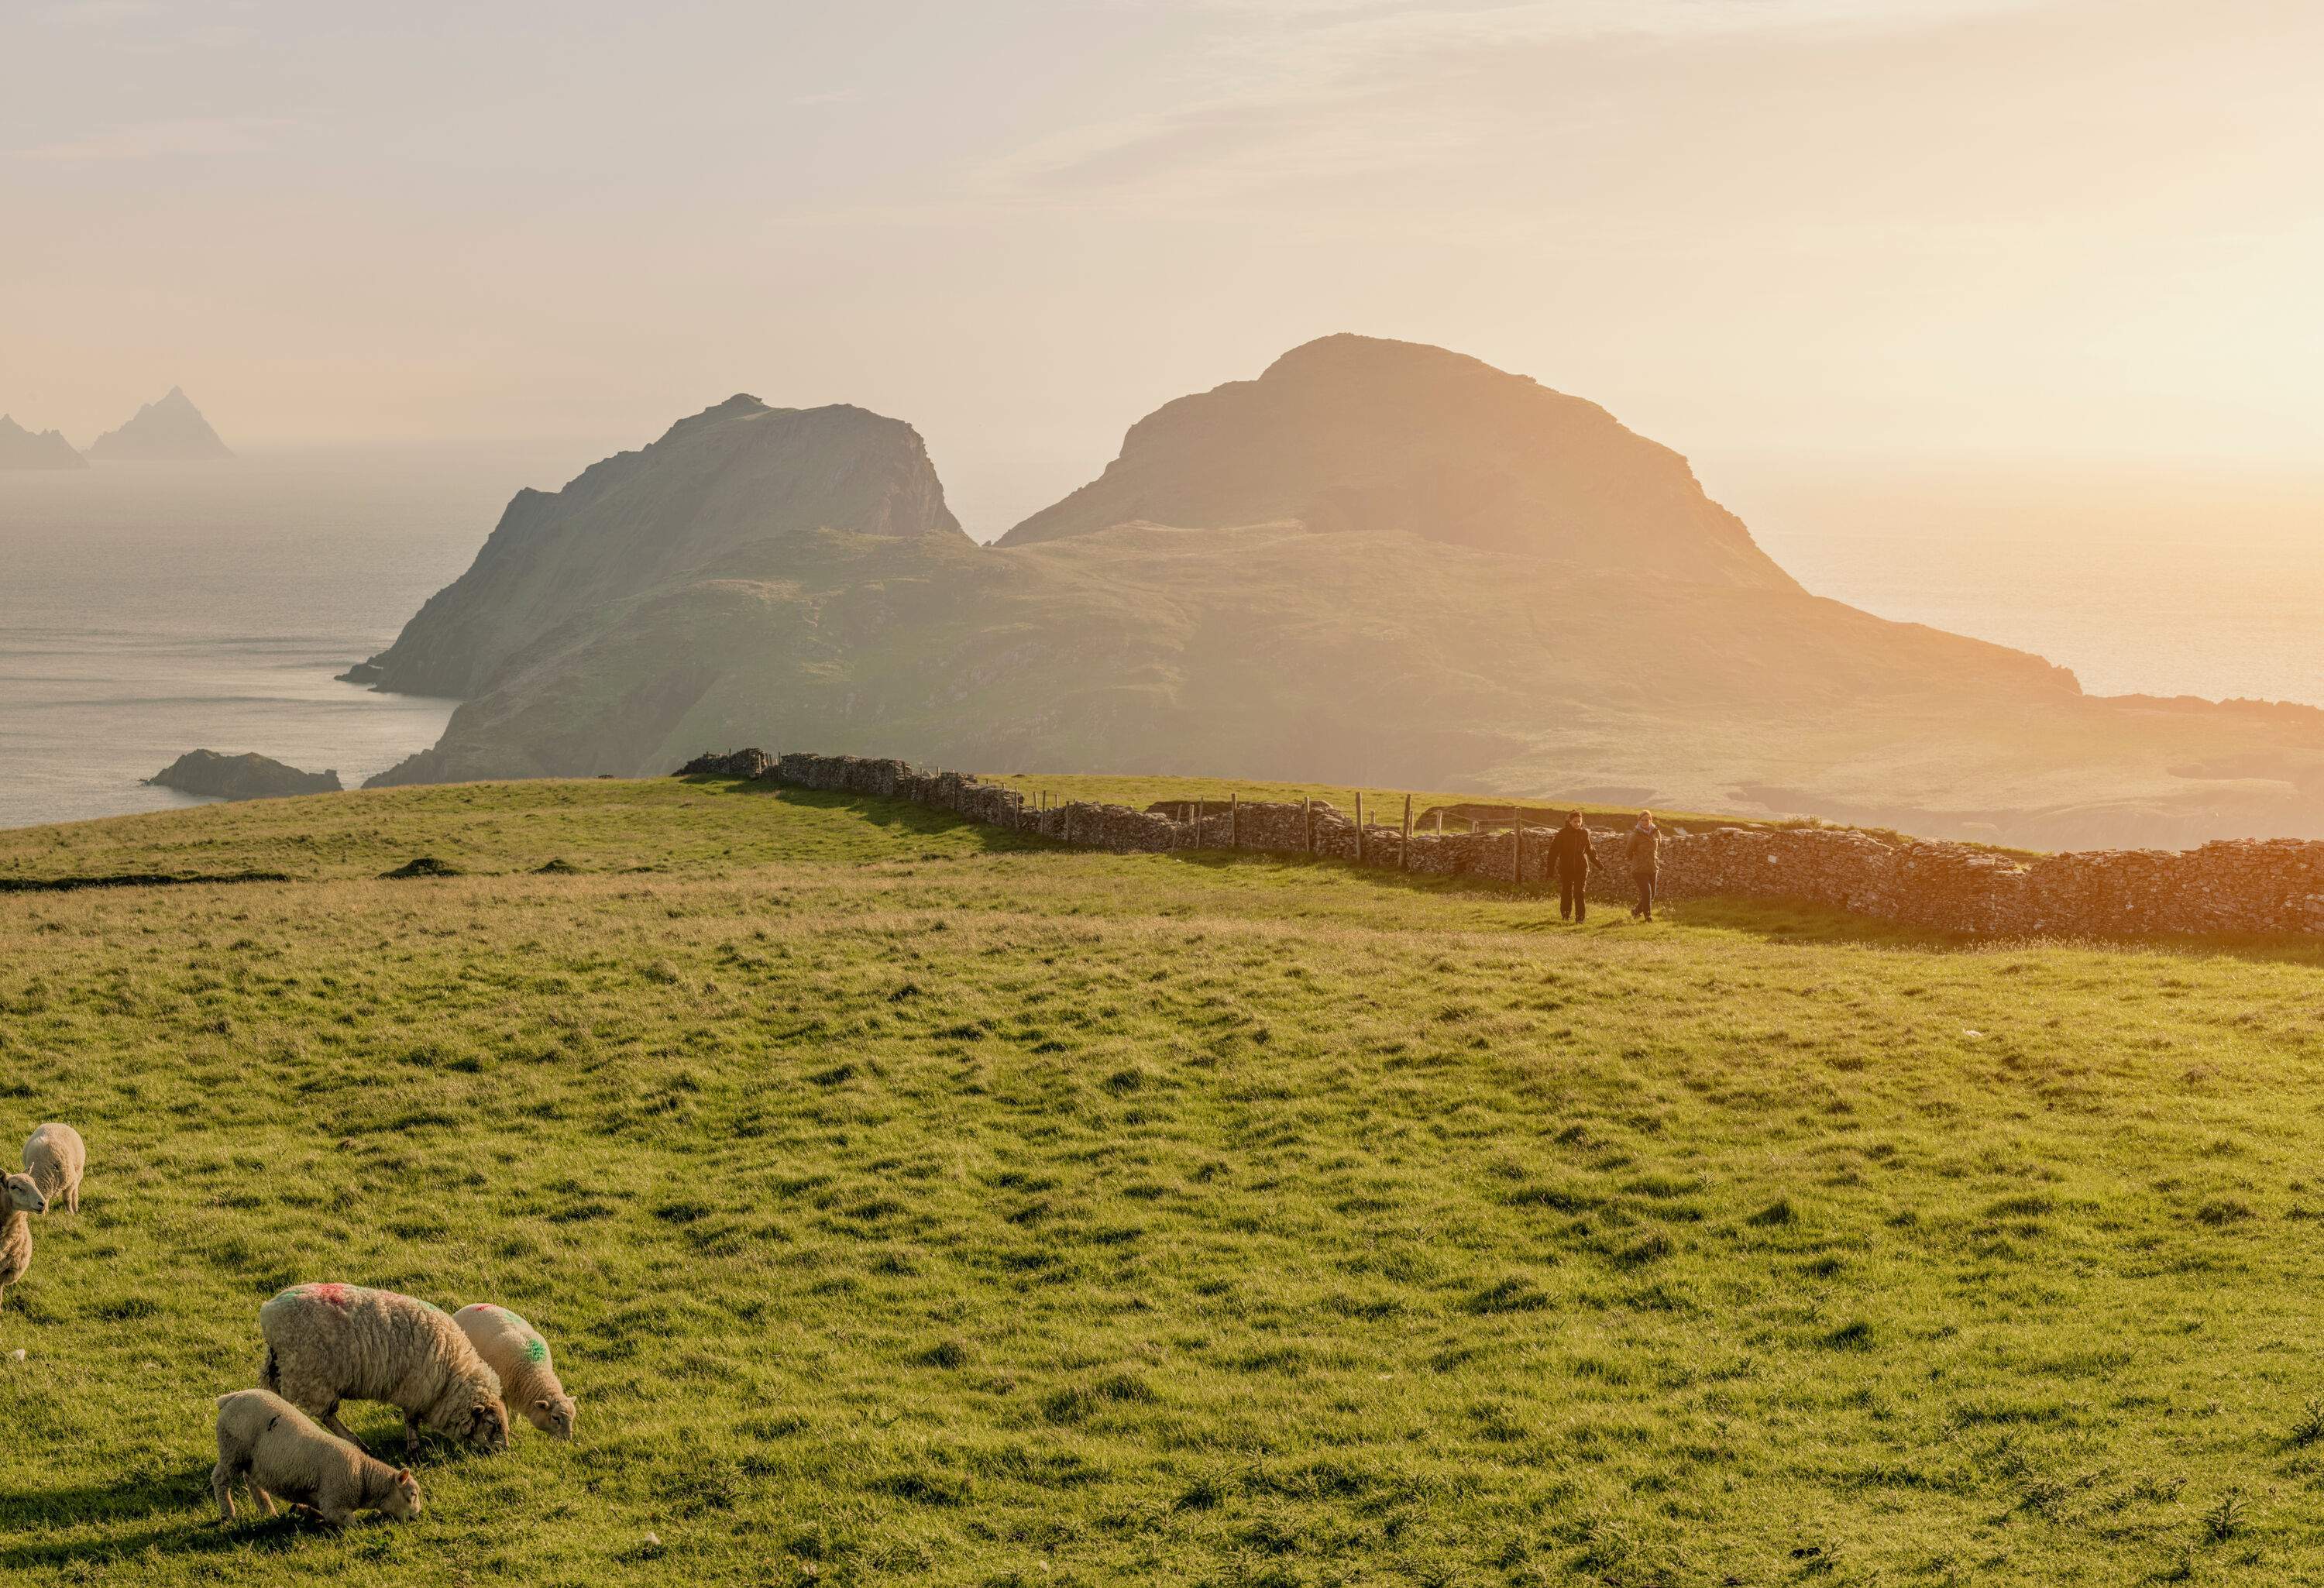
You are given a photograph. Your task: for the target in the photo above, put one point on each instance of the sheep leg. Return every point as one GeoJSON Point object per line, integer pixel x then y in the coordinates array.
{"type": "Point", "coordinates": [330, 1420]}
{"type": "Point", "coordinates": [412, 1433]}
{"type": "Point", "coordinates": [72, 1197]}
{"type": "Point", "coordinates": [222, 1491]}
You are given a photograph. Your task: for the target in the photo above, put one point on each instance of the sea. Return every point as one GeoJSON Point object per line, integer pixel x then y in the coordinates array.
{"type": "Point", "coordinates": [147, 610]}
{"type": "Point", "coordinates": [151, 609]}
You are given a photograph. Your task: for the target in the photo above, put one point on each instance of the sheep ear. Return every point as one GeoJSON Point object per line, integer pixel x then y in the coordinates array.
{"type": "Point", "coordinates": [541, 1405]}
{"type": "Point", "coordinates": [404, 1475]}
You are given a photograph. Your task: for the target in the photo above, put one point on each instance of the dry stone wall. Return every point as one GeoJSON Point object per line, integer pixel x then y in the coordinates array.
{"type": "Point", "coordinates": [2273, 886]}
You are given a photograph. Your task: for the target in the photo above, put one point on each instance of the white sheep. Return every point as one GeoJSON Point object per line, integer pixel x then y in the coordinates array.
{"type": "Point", "coordinates": [55, 1157]}
{"type": "Point", "coordinates": [265, 1439]}
{"type": "Point", "coordinates": [20, 1199]}
{"type": "Point", "coordinates": [326, 1343]}
{"type": "Point", "coordinates": [514, 1350]}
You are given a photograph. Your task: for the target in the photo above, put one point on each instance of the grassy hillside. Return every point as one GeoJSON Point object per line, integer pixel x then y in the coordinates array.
{"type": "Point", "coordinates": [909, 1206]}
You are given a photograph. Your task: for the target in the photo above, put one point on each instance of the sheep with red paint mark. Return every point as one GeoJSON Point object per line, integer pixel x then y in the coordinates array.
{"type": "Point", "coordinates": [514, 1350]}
{"type": "Point", "coordinates": [269, 1443]}
{"type": "Point", "coordinates": [326, 1343]}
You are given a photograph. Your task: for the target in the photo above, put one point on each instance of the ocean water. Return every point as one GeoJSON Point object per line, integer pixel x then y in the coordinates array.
{"type": "Point", "coordinates": [151, 609]}
{"type": "Point", "coordinates": [2144, 579]}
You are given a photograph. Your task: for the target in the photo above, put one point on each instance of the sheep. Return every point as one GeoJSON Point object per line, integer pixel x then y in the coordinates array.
{"type": "Point", "coordinates": [329, 1342]}
{"type": "Point", "coordinates": [20, 1198]}
{"type": "Point", "coordinates": [55, 1156]}
{"type": "Point", "coordinates": [514, 1350]}
{"type": "Point", "coordinates": [265, 1439]}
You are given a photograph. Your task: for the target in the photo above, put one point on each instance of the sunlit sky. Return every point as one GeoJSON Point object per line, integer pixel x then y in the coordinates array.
{"type": "Point", "coordinates": [2025, 227]}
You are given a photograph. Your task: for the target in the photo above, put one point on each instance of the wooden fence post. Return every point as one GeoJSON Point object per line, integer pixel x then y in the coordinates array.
{"type": "Point", "coordinates": [1404, 855]}
{"type": "Point", "coordinates": [1307, 820]}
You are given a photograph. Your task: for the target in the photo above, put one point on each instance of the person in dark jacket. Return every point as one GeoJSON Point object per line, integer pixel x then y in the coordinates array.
{"type": "Point", "coordinates": [1571, 858]}
{"type": "Point", "coordinates": [1645, 855]}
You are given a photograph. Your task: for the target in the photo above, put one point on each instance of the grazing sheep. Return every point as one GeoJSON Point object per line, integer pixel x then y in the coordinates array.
{"type": "Point", "coordinates": [514, 1350]}
{"type": "Point", "coordinates": [20, 1198]}
{"type": "Point", "coordinates": [326, 1343]}
{"type": "Point", "coordinates": [266, 1440]}
{"type": "Point", "coordinates": [55, 1157]}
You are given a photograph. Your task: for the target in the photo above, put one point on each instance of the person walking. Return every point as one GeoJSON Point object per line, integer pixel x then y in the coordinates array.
{"type": "Point", "coordinates": [1646, 854]}
{"type": "Point", "coordinates": [1571, 858]}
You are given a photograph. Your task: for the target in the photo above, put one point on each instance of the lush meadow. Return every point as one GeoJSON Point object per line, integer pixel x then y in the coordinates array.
{"type": "Point", "coordinates": [911, 1203]}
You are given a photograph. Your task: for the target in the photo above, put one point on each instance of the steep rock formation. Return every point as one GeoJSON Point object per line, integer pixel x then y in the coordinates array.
{"type": "Point", "coordinates": [21, 448]}
{"type": "Point", "coordinates": [240, 777]}
{"type": "Point", "coordinates": [713, 487]}
{"type": "Point", "coordinates": [1354, 433]}
{"type": "Point", "coordinates": [171, 431]}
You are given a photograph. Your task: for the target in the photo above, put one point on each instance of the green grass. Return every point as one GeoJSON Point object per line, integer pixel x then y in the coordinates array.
{"type": "Point", "coordinates": [909, 1206]}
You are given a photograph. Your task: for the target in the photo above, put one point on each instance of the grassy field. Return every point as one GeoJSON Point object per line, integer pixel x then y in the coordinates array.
{"type": "Point", "coordinates": [910, 1204]}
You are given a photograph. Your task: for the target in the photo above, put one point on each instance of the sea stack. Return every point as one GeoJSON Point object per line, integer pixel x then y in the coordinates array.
{"type": "Point", "coordinates": [21, 448]}
{"type": "Point", "coordinates": [240, 777]}
{"type": "Point", "coordinates": [171, 431]}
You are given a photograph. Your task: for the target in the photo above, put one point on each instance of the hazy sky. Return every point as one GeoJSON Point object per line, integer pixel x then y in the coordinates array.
{"type": "Point", "coordinates": [2034, 226]}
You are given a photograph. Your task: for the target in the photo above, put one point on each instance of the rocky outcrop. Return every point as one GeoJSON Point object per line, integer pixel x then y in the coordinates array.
{"type": "Point", "coordinates": [1355, 433]}
{"type": "Point", "coordinates": [171, 431]}
{"type": "Point", "coordinates": [2269, 887]}
{"type": "Point", "coordinates": [21, 448]}
{"type": "Point", "coordinates": [700, 504]}
{"type": "Point", "coordinates": [240, 777]}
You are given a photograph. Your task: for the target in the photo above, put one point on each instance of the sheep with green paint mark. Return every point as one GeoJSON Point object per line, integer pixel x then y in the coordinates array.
{"type": "Point", "coordinates": [514, 1350]}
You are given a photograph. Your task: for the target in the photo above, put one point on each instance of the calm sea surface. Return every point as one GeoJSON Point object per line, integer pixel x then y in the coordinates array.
{"type": "Point", "coordinates": [147, 610]}
{"type": "Point", "coordinates": [150, 610]}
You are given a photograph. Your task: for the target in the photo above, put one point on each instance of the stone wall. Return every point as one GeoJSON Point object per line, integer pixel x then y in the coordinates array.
{"type": "Point", "coordinates": [2245, 885]}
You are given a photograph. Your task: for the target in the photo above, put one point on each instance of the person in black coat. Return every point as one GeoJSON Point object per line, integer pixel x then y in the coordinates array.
{"type": "Point", "coordinates": [1571, 858]}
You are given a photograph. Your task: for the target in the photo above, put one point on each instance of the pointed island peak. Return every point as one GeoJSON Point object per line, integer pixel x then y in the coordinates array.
{"type": "Point", "coordinates": [21, 448]}
{"type": "Point", "coordinates": [169, 430]}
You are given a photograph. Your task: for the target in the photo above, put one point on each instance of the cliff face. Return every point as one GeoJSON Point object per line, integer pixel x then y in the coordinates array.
{"type": "Point", "coordinates": [171, 431]}
{"type": "Point", "coordinates": [21, 448]}
{"type": "Point", "coordinates": [715, 489]}
{"type": "Point", "coordinates": [1353, 433]}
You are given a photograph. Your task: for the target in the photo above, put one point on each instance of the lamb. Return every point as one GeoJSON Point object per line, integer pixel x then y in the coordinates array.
{"type": "Point", "coordinates": [326, 1343]}
{"type": "Point", "coordinates": [514, 1350]}
{"type": "Point", "coordinates": [20, 1198]}
{"type": "Point", "coordinates": [55, 1157]}
{"type": "Point", "coordinates": [266, 1440]}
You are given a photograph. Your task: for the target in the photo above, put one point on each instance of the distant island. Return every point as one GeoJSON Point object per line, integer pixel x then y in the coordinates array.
{"type": "Point", "coordinates": [21, 448]}
{"type": "Point", "coordinates": [1378, 562]}
{"type": "Point", "coordinates": [240, 777]}
{"type": "Point", "coordinates": [171, 431]}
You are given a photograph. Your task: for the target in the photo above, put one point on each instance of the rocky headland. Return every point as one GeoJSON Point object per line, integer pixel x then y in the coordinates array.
{"type": "Point", "coordinates": [1378, 562]}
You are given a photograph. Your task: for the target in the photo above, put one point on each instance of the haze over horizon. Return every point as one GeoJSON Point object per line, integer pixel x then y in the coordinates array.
{"type": "Point", "coordinates": [2026, 230]}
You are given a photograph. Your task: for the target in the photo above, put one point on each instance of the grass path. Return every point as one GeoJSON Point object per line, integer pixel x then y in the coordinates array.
{"type": "Point", "coordinates": [907, 1206]}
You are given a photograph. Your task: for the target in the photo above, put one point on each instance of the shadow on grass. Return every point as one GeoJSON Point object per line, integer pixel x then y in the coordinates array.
{"type": "Point", "coordinates": [175, 1501]}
